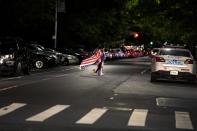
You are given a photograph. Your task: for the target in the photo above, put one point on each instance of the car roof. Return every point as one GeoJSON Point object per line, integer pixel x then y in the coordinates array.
{"type": "Point", "coordinates": [180, 49]}
{"type": "Point", "coordinates": [155, 48]}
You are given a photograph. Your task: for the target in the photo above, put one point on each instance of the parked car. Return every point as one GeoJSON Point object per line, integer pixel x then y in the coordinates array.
{"type": "Point", "coordinates": [61, 59]}
{"type": "Point", "coordinates": [14, 57]}
{"type": "Point", "coordinates": [40, 58]}
{"type": "Point", "coordinates": [72, 56]}
{"type": "Point", "coordinates": [118, 53]}
{"type": "Point", "coordinates": [154, 52]}
{"type": "Point", "coordinates": [82, 54]}
{"type": "Point", "coordinates": [173, 64]}
{"type": "Point", "coordinates": [108, 54]}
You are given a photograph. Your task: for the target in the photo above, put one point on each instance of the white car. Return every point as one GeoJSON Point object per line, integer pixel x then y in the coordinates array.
{"type": "Point", "coordinates": [173, 64]}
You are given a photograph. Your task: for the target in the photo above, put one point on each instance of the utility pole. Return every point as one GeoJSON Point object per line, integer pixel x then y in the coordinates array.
{"type": "Point", "coordinates": [60, 8]}
{"type": "Point", "coordinates": [55, 36]}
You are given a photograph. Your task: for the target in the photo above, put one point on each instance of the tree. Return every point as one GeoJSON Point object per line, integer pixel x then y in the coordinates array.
{"type": "Point", "coordinates": [30, 19]}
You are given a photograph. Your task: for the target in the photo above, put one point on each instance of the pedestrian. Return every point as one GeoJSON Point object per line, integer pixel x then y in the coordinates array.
{"type": "Point", "coordinates": [100, 63]}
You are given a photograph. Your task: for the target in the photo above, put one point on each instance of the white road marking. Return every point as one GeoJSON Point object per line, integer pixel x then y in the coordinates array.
{"type": "Point", "coordinates": [144, 71]}
{"type": "Point", "coordinates": [157, 101]}
{"type": "Point", "coordinates": [70, 69]}
{"type": "Point", "coordinates": [111, 98]}
{"type": "Point", "coordinates": [92, 116]}
{"type": "Point", "coordinates": [183, 120]}
{"type": "Point", "coordinates": [47, 113]}
{"type": "Point", "coordinates": [8, 109]}
{"type": "Point", "coordinates": [118, 108]}
{"type": "Point", "coordinates": [19, 77]}
{"type": "Point", "coordinates": [46, 79]}
{"type": "Point", "coordinates": [138, 117]}
{"type": "Point", "coordinates": [11, 78]}
{"type": "Point", "coordinates": [8, 88]}
{"type": "Point", "coordinates": [61, 75]}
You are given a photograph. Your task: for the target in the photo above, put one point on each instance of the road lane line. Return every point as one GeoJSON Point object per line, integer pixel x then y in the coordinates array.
{"type": "Point", "coordinates": [12, 107]}
{"type": "Point", "coordinates": [8, 88]}
{"type": "Point", "coordinates": [183, 120]}
{"type": "Point", "coordinates": [44, 72]}
{"type": "Point", "coordinates": [70, 69]}
{"type": "Point", "coordinates": [45, 79]}
{"type": "Point", "coordinates": [111, 98]}
{"type": "Point", "coordinates": [47, 113]}
{"type": "Point", "coordinates": [92, 116]}
{"type": "Point", "coordinates": [19, 77]}
{"type": "Point", "coordinates": [61, 75]}
{"type": "Point", "coordinates": [144, 71]}
{"type": "Point", "coordinates": [138, 117]}
{"type": "Point", "coordinates": [11, 78]}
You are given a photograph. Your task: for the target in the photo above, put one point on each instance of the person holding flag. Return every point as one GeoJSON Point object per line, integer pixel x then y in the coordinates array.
{"type": "Point", "coordinates": [97, 57]}
{"type": "Point", "coordinates": [100, 65]}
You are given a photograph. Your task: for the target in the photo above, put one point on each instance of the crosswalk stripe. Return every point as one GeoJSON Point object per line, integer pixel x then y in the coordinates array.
{"type": "Point", "coordinates": [92, 116]}
{"type": "Point", "coordinates": [47, 113]}
{"type": "Point", "coordinates": [12, 107]}
{"type": "Point", "coordinates": [138, 117]}
{"type": "Point", "coordinates": [183, 120]}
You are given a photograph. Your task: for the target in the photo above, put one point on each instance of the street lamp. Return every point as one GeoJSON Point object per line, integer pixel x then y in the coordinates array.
{"type": "Point", "coordinates": [136, 35]}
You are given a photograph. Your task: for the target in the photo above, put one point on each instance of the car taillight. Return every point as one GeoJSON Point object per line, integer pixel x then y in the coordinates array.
{"type": "Point", "coordinates": [159, 59]}
{"type": "Point", "coordinates": [189, 61]}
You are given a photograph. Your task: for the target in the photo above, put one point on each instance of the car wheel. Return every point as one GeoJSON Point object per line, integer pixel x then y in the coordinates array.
{"type": "Point", "coordinates": [65, 63]}
{"type": "Point", "coordinates": [153, 78]}
{"type": "Point", "coordinates": [39, 64]}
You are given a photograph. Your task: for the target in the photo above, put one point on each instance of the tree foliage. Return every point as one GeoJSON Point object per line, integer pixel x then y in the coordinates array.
{"type": "Point", "coordinates": [94, 22]}
{"type": "Point", "coordinates": [167, 20]}
{"type": "Point", "coordinates": [31, 19]}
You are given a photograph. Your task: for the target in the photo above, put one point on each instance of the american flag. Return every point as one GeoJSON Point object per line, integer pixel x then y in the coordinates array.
{"type": "Point", "coordinates": [91, 60]}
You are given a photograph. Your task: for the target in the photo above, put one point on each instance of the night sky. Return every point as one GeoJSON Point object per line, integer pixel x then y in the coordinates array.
{"type": "Point", "coordinates": [85, 5]}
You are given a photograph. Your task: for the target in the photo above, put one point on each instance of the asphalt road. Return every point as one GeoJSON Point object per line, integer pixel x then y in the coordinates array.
{"type": "Point", "coordinates": [68, 99]}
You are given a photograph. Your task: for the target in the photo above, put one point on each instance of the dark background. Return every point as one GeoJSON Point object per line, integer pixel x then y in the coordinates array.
{"type": "Point", "coordinates": [90, 23]}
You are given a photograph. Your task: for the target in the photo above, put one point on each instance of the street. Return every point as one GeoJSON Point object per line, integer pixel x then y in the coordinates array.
{"type": "Point", "coordinates": [123, 99]}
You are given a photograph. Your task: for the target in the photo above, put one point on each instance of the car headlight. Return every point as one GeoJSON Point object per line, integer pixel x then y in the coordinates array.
{"type": "Point", "coordinates": [58, 53]}
{"type": "Point", "coordinates": [10, 56]}
{"type": "Point", "coordinates": [1, 61]}
{"type": "Point", "coordinates": [5, 58]}
{"type": "Point", "coordinates": [69, 57]}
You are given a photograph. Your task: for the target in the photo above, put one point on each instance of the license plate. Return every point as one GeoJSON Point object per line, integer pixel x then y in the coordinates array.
{"type": "Point", "coordinates": [174, 62]}
{"type": "Point", "coordinates": [174, 72]}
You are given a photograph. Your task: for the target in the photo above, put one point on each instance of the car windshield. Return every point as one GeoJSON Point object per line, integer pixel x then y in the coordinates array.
{"type": "Point", "coordinates": [7, 46]}
{"type": "Point", "coordinates": [175, 53]}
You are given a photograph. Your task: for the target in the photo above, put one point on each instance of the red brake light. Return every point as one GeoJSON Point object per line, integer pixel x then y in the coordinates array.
{"type": "Point", "coordinates": [159, 59]}
{"type": "Point", "coordinates": [189, 61]}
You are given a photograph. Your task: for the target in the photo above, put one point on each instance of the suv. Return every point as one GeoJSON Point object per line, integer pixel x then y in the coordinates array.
{"type": "Point", "coordinates": [14, 57]}
{"type": "Point", "coordinates": [173, 63]}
